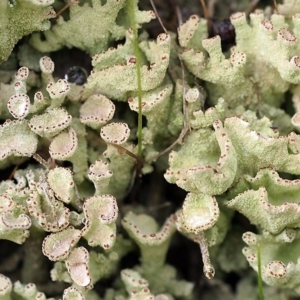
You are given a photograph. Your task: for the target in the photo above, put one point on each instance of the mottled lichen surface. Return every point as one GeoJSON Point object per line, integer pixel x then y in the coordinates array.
{"type": "Point", "coordinates": [222, 126]}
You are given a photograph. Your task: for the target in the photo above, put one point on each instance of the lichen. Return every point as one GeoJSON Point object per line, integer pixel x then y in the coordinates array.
{"type": "Point", "coordinates": [83, 184]}
{"type": "Point", "coordinates": [85, 21]}
{"type": "Point", "coordinates": [14, 26]}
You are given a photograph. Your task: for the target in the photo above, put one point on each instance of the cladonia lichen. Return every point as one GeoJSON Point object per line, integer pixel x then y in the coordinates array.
{"type": "Point", "coordinates": [97, 200]}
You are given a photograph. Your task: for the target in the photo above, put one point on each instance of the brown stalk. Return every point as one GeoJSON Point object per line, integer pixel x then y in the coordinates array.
{"type": "Point", "coordinates": [66, 7]}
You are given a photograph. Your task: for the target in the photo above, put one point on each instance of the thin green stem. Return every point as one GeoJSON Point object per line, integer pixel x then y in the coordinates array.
{"type": "Point", "coordinates": [130, 6]}
{"type": "Point", "coordinates": [259, 278]}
